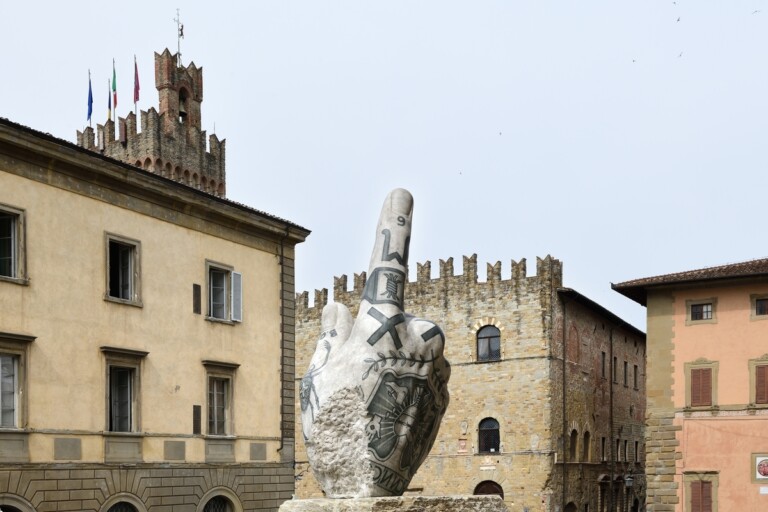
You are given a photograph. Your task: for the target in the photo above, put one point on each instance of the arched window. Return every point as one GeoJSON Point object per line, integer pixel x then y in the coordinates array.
{"type": "Point", "coordinates": [182, 105]}
{"type": "Point", "coordinates": [147, 164]}
{"type": "Point", "coordinates": [586, 448]}
{"type": "Point", "coordinates": [488, 436]}
{"type": "Point", "coordinates": [488, 487]}
{"type": "Point", "coordinates": [572, 445]}
{"type": "Point", "coordinates": [218, 504]}
{"type": "Point", "coordinates": [489, 343]}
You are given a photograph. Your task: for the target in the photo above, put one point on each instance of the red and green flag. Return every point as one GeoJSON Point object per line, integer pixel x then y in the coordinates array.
{"type": "Point", "coordinates": [114, 85]}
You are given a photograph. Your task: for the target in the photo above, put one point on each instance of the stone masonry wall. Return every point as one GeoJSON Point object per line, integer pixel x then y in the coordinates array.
{"type": "Point", "coordinates": [173, 488]}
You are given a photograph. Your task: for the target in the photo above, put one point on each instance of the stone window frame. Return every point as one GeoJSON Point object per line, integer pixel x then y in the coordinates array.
{"type": "Point", "coordinates": [697, 302]}
{"type": "Point", "coordinates": [701, 364]}
{"type": "Point", "coordinates": [753, 364]}
{"type": "Point", "coordinates": [135, 272]}
{"type": "Point", "coordinates": [700, 476]}
{"type": "Point", "coordinates": [17, 345]}
{"type": "Point", "coordinates": [753, 298]}
{"type": "Point", "coordinates": [20, 245]}
{"type": "Point", "coordinates": [221, 370]}
{"type": "Point", "coordinates": [117, 357]}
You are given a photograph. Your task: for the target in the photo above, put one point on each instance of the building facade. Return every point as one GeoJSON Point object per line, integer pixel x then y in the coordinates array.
{"type": "Point", "coordinates": [707, 387]}
{"type": "Point", "coordinates": [546, 435]}
{"type": "Point", "coordinates": [146, 334]}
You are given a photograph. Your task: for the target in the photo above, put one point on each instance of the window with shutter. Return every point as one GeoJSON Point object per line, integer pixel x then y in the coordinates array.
{"type": "Point", "coordinates": [701, 492]}
{"type": "Point", "coordinates": [761, 378]}
{"type": "Point", "coordinates": [701, 387]}
{"type": "Point", "coordinates": [237, 297]}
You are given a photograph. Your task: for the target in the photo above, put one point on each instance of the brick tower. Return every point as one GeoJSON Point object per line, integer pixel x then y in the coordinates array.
{"type": "Point", "coordinates": [171, 142]}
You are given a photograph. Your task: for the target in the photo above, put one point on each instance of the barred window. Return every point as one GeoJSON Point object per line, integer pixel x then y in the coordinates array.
{"type": "Point", "coordinates": [489, 343]}
{"type": "Point", "coordinates": [488, 439]}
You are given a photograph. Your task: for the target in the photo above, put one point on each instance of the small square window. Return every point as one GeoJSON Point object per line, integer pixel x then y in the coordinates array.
{"type": "Point", "coordinates": [701, 312]}
{"type": "Point", "coordinates": [759, 307]}
{"type": "Point", "coordinates": [12, 258]}
{"type": "Point", "coordinates": [123, 269]}
{"type": "Point", "coordinates": [225, 293]}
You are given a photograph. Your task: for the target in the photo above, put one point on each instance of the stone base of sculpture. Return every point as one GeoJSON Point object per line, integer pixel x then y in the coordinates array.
{"type": "Point", "coordinates": [491, 503]}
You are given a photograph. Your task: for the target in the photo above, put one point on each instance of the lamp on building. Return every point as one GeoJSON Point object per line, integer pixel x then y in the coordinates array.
{"type": "Point", "coordinates": [629, 481]}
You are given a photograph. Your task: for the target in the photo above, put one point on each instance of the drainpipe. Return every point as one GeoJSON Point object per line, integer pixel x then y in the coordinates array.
{"type": "Point", "coordinates": [282, 344]}
{"type": "Point", "coordinates": [565, 420]}
{"type": "Point", "coordinates": [610, 421]}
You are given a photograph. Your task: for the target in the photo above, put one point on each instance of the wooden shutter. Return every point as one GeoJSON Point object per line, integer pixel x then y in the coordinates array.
{"type": "Point", "coordinates": [706, 496]}
{"type": "Point", "coordinates": [237, 297]}
{"type": "Point", "coordinates": [701, 387]}
{"type": "Point", "coordinates": [696, 496]}
{"type": "Point", "coordinates": [761, 395]}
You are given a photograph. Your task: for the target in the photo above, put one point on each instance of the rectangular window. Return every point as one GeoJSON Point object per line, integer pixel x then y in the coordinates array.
{"type": "Point", "coordinates": [636, 377]}
{"type": "Point", "coordinates": [225, 293]}
{"type": "Point", "coordinates": [626, 374]}
{"type": "Point", "coordinates": [120, 399]}
{"type": "Point", "coordinates": [701, 387]}
{"type": "Point", "coordinates": [603, 453]}
{"type": "Point", "coordinates": [701, 311]}
{"type": "Point", "coordinates": [9, 390]}
{"type": "Point", "coordinates": [615, 370]}
{"type": "Point", "coordinates": [123, 269]}
{"type": "Point", "coordinates": [602, 363]}
{"type": "Point", "coordinates": [218, 400]}
{"type": "Point", "coordinates": [123, 368]}
{"type": "Point", "coordinates": [626, 450]}
{"type": "Point", "coordinates": [220, 377]}
{"type": "Point", "coordinates": [12, 243]}
{"type": "Point", "coordinates": [637, 451]}
{"type": "Point", "coordinates": [761, 307]}
{"type": "Point", "coordinates": [618, 449]}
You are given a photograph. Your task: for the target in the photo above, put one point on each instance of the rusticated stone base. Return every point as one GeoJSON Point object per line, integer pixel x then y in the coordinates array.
{"type": "Point", "coordinates": [399, 504]}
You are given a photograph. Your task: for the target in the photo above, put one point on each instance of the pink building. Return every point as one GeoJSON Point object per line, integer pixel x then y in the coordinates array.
{"type": "Point", "coordinates": [707, 385]}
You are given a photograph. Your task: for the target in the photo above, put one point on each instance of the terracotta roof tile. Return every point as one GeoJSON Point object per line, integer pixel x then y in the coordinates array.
{"type": "Point", "coordinates": [636, 288]}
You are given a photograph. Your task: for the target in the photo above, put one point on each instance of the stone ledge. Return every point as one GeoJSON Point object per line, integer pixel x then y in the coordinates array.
{"type": "Point", "coordinates": [490, 503]}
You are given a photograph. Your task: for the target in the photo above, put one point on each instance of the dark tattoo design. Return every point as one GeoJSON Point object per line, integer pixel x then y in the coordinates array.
{"type": "Point", "coordinates": [387, 326]}
{"type": "Point", "coordinates": [307, 386]}
{"type": "Point", "coordinates": [434, 331]}
{"type": "Point", "coordinates": [403, 413]}
{"type": "Point", "coordinates": [389, 256]}
{"type": "Point", "coordinates": [385, 285]}
{"type": "Point", "coordinates": [394, 359]}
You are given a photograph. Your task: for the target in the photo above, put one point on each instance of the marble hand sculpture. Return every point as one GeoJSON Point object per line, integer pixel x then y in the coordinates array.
{"type": "Point", "coordinates": [376, 388]}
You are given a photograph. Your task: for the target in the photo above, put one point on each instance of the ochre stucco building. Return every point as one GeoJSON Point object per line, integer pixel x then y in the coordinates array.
{"type": "Point", "coordinates": [707, 384]}
{"type": "Point", "coordinates": [547, 436]}
{"type": "Point", "coordinates": [146, 335]}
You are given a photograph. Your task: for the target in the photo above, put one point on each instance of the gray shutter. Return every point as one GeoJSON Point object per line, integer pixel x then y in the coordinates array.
{"type": "Point", "coordinates": [237, 297]}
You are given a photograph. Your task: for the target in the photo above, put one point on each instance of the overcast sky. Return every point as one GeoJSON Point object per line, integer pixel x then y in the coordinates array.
{"type": "Point", "coordinates": [625, 138]}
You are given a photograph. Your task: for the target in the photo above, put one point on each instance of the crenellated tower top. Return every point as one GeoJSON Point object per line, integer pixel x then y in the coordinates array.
{"type": "Point", "coordinates": [171, 141]}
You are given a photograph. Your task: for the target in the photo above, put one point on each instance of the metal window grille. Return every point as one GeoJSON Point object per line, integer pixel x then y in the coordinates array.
{"type": "Point", "coordinates": [122, 507]}
{"type": "Point", "coordinates": [489, 344]}
{"type": "Point", "coordinates": [217, 504]}
{"type": "Point", "coordinates": [488, 438]}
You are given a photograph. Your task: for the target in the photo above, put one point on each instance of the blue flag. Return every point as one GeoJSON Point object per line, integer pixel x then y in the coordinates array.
{"type": "Point", "coordinates": [90, 97]}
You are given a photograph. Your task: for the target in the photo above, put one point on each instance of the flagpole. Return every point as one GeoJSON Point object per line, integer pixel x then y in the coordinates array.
{"type": "Point", "coordinates": [135, 87]}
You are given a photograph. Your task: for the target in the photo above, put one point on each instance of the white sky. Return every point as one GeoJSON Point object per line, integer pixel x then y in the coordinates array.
{"type": "Point", "coordinates": [608, 134]}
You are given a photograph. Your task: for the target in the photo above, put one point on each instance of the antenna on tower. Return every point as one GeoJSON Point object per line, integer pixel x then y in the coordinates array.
{"type": "Point", "coordinates": [179, 36]}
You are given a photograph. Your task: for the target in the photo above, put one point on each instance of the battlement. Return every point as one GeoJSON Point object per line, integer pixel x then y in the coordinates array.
{"type": "Point", "coordinates": [447, 287]}
{"type": "Point", "coordinates": [171, 142]}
